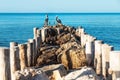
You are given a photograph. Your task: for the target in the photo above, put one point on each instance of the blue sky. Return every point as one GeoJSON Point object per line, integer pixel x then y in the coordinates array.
{"type": "Point", "coordinates": [79, 6]}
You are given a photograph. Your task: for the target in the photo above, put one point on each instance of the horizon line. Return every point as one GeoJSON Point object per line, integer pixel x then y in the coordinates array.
{"type": "Point", "coordinates": [62, 12]}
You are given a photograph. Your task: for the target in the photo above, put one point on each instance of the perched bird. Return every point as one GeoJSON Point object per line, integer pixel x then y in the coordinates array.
{"type": "Point", "coordinates": [46, 21]}
{"type": "Point", "coordinates": [58, 20]}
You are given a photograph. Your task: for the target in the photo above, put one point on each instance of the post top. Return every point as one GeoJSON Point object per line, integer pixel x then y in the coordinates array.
{"type": "Point", "coordinates": [98, 41]}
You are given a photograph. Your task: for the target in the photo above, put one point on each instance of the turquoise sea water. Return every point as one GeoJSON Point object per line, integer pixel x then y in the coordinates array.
{"type": "Point", "coordinates": [19, 27]}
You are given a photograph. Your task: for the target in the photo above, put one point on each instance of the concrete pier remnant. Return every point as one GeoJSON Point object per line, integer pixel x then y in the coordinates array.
{"type": "Point", "coordinates": [4, 64]}
{"type": "Point", "coordinates": [14, 59]}
{"type": "Point", "coordinates": [115, 64]}
{"type": "Point", "coordinates": [23, 55]}
{"type": "Point", "coordinates": [98, 57]}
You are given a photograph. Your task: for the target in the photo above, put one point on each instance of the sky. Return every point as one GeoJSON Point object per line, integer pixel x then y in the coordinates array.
{"type": "Point", "coordinates": [75, 6]}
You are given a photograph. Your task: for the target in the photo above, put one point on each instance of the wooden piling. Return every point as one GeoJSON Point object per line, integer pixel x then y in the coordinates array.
{"type": "Point", "coordinates": [4, 64]}
{"type": "Point", "coordinates": [43, 34]}
{"type": "Point", "coordinates": [89, 50]}
{"type": "Point", "coordinates": [81, 32]}
{"type": "Point", "coordinates": [29, 53]}
{"type": "Point", "coordinates": [115, 64]}
{"type": "Point", "coordinates": [58, 30]}
{"type": "Point", "coordinates": [36, 36]}
{"type": "Point", "coordinates": [35, 32]}
{"type": "Point", "coordinates": [14, 59]}
{"type": "Point", "coordinates": [38, 39]}
{"type": "Point", "coordinates": [38, 32]}
{"type": "Point", "coordinates": [105, 59]}
{"type": "Point", "coordinates": [23, 55]}
{"type": "Point", "coordinates": [98, 57]}
{"type": "Point", "coordinates": [34, 50]}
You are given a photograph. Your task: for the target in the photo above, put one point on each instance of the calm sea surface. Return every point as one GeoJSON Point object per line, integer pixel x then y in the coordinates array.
{"type": "Point", "coordinates": [19, 27]}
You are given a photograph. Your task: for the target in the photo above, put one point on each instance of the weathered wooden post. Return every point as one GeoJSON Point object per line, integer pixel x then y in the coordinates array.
{"type": "Point", "coordinates": [38, 33]}
{"type": "Point", "coordinates": [4, 64]}
{"type": "Point", "coordinates": [89, 50]}
{"type": "Point", "coordinates": [43, 34]}
{"type": "Point", "coordinates": [82, 39]}
{"type": "Point", "coordinates": [115, 64]}
{"type": "Point", "coordinates": [29, 53]}
{"type": "Point", "coordinates": [23, 55]}
{"type": "Point", "coordinates": [80, 30]}
{"type": "Point", "coordinates": [104, 52]}
{"type": "Point", "coordinates": [82, 33]}
{"type": "Point", "coordinates": [14, 59]}
{"type": "Point", "coordinates": [58, 30]}
{"type": "Point", "coordinates": [38, 39]}
{"type": "Point", "coordinates": [98, 57]}
{"type": "Point", "coordinates": [90, 38]}
{"type": "Point", "coordinates": [34, 51]}
{"type": "Point", "coordinates": [105, 59]}
{"type": "Point", "coordinates": [35, 32]}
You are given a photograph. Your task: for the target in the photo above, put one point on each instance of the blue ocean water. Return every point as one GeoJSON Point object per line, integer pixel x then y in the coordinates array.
{"type": "Point", "coordinates": [18, 27]}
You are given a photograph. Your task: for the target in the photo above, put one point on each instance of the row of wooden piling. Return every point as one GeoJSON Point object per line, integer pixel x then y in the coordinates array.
{"type": "Point", "coordinates": [19, 56]}
{"type": "Point", "coordinates": [101, 56]}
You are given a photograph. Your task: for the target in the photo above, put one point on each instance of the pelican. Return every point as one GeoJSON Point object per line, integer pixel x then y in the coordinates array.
{"type": "Point", "coordinates": [58, 20]}
{"type": "Point", "coordinates": [46, 21]}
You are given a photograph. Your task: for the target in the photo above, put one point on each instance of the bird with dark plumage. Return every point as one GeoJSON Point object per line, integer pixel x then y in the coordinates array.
{"type": "Point", "coordinates": [58, 20]}
{"type": "Point", "coordinates": [46, 21]}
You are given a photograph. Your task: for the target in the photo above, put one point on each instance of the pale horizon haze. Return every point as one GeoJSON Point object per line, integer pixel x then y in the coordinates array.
{"type": "Point", "coordinates": [57, 6]}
